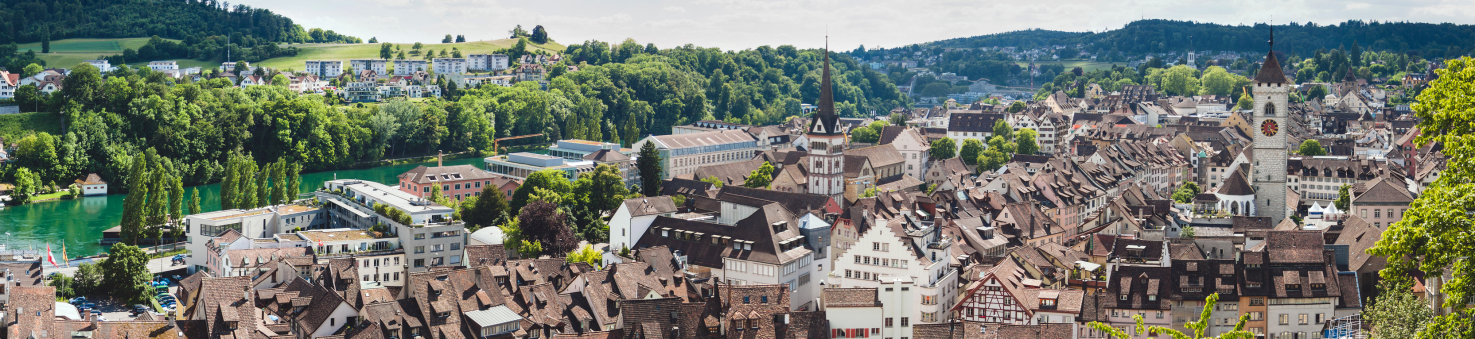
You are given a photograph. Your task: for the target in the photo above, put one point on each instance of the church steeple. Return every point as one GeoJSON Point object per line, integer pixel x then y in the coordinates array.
{"type": "Point", "coordinates": [825, 120]}
{"type": "Point", "coordinates": [1270, 71]}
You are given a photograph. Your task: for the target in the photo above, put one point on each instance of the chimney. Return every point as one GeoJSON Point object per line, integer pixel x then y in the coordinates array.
{"type": "Point", "coordinates": [171, 320]}
{"type": "Point", "coordinates": [439, 160]}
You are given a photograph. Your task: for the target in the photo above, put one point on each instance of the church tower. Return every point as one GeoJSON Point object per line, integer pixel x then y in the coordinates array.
{"type": "Point", "coordinates": [826, 141]}
{"type": "Point", "coordinates": [1270, 149]}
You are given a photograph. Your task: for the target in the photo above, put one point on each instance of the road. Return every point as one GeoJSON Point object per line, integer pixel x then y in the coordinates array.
{"type": "Point", "coordinates": [155, 266]}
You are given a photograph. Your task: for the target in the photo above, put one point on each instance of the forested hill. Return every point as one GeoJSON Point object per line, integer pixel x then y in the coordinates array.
{"type": "Point", "coordinates": [1157, 36]}
{"type": "Point", "coordinates": [25, 21]}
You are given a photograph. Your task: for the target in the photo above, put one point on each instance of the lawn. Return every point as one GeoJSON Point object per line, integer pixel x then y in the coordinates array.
{"type": "Point", "coordinates": [16, 126]}
{"type": "Point", "coordinates": [88, 45]}
{"type": "Point", "coordinates": [345, 52]}
{"type": "Point", "coordinates": [69, 52]}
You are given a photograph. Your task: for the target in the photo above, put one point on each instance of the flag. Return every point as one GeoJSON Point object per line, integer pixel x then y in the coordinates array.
{"type": "Point", "coordinates": [64, 255]}
{"type": "Point", "coordinates": [50, 258]}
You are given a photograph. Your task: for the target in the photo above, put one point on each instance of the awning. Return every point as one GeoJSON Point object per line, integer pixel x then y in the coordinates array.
{"type": "Point", "coordinates": [348, 208]}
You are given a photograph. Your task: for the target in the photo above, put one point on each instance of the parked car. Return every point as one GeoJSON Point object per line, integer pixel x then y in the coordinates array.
{"type": "Point", "coordinates": [89, 305]}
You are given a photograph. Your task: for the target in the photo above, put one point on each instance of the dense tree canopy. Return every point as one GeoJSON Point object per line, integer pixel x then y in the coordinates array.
{"type": "Point", "coordinates": [1160, 35]}
{"type": "Point", "coordinates": [1434, 234]}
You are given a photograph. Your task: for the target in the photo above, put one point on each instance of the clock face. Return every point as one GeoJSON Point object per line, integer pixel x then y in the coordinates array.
{"type": "Point", "coordinates": [1269, 128]}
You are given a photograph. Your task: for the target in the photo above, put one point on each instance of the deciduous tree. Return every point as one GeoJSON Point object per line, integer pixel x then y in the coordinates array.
{"type": "Point", "coordinates": [761, 177]}
{"type": "Point", "coordinates": [1026, 143]}
{"type": "Point", "coordinates": [1311, 147]}
{"type": "Point", "coordinates": [943, 149]}
{"type": "Point", "coordinates": [972, 149]}
{"type": "Point", "coordinates": [126, 275]}
{"type": "Point", "coordinates": [1433, 236]}
{"type": "Point", "coordinates": [544, 223]}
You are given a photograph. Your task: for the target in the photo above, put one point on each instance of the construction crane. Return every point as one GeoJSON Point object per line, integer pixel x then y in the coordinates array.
{"type": "Point", "coordinates": [499, 140]}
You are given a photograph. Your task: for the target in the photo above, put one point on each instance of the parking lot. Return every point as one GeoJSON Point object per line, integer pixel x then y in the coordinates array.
{"type": "Point", "coordinates": [114, 310]}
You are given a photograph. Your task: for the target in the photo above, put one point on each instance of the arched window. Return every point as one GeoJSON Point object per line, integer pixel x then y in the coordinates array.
{"type": "Point", "coordinates": [1269, 110]}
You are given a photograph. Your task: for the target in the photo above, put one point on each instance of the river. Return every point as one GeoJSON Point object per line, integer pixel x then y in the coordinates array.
{"type": "Point", "coordinates": [80, 222]}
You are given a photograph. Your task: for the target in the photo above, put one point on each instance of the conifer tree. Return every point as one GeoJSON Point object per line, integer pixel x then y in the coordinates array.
{"type": "Point", "coordinates": [263, 190]}
{"type": "Point", "coordinates": [133, 206]}
{"type": "Point", "coordinates": [194, 201]}
{"type": "Point", "coordinates": [176, 199]}
{"type": "Point", "coordinates": [294, 181]}
{"type": "Point", "coordinates": [279, 182]}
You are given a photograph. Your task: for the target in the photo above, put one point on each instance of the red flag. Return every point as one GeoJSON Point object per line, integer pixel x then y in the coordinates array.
{"type": "Point", "coordinates": [49, 258]}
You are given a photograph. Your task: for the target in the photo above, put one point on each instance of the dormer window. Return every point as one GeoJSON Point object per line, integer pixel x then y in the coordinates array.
{"type": "Point", "coordinates": [1294, 287]}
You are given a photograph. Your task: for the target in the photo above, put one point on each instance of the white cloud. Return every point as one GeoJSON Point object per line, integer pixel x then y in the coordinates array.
{"type": "Point", "coordinates": [741, 24]}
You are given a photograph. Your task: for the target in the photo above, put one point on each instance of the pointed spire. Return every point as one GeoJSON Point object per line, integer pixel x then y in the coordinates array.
{"type": "Point", "coordinates": [825, 120]}
{"type": "Point", "coordinates": [1270, 71]}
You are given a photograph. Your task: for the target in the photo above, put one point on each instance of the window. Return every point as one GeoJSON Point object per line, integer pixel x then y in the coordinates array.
{"type": "Point", "coordinates": [419, 236]}
{"type": "Point", "coordinates": [419, 249]}
{"type": "Point", "coordinates": [1301, 319]}
{"type": "Point", "coordinates": [455, 246]}
{"type": "Point", "coordinates": [419, 262]}
{"type": "Point", "coordinates": [763, 299]}
{"type": "Point", "coordinates": [1320, 317]}
{"type": "Point", "coordinates": [1257, 316]}
{"type": "Point", "coordinates": [1377, 213]}
{"type": "Point", "coordinates": [437, 247]}
{"type": "Point", "coordinates": [875, 246]}
{"type": "Point", "coordinates": [888, 322]}
{"type": "Point", "coordinates": [905, 322]}
{"type": "Point", "coordinates": [1285, 319]}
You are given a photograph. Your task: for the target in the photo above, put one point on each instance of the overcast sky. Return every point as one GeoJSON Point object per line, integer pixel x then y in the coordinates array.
{"type": "Point", "coordinates": [742, 24]}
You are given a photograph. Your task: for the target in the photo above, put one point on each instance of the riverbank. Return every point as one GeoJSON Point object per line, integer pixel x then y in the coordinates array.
{"type": "Point", "coordinates": [80, 222]}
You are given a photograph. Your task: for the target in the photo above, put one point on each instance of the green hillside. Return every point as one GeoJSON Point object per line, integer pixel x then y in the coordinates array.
{"type": "Point", "coordinates": [345, 52]}
{"type": "Point", "coordinates": [69, 52]}
{"type": "Point", "coordinates": [16, 126]}
{"type": "Point", "coordinates": [1158, 36]}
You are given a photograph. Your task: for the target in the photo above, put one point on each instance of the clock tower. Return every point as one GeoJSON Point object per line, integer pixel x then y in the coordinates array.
{"type": "Point", "coordinates": [826, 142]}
{"type": "Point", "coordinates": [1270, 148]}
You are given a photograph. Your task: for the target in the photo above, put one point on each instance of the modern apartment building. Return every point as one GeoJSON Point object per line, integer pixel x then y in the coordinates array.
{"type": "Point", "coordinates": [324, 68]}
{"type": "Point", "coordinates": [448, 65]}
{"type": "Point", "coordinates": [410, 66]}
{"type": "Point", "coordinates": [487, 62]}
{"type": "Point", "coordinates": [379, 66]}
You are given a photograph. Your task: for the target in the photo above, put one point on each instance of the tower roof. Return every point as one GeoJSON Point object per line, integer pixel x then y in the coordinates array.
{"type": "Point", "coordinates": [825, 120]}
{"type": "Point", "coordinates": [1350, 76]}
{"type": "Point", "coordinates": [1270, 72]}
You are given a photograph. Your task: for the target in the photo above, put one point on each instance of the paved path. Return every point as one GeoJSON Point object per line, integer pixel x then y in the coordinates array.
{"type": "Point", "coordinates": [155, 266]}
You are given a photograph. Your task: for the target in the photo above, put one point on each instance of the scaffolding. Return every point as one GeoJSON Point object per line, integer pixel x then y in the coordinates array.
{"type": "Point", "coordinates": [1349, 327]}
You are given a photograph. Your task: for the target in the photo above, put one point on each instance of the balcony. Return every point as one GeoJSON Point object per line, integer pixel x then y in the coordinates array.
{"type": "Point", "coordinates": [367, 253]}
